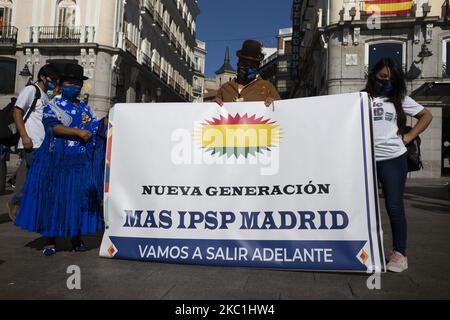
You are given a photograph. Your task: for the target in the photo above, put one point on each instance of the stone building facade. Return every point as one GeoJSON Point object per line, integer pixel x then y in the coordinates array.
{"type": "Point", "coordinates": [132, 50]}
{"type": "Point", "coordinates": [340, 40]}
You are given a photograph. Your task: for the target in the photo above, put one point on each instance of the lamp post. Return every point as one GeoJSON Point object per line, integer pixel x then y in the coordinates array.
{"type": "Point", "coordinates": [415, 72]}
{"type": "Point", "coordinates": [158, 94]}
{"type": "Point", "coordinates": [424, 53]}
{"type": "Point", "coordinates": [26, 73]}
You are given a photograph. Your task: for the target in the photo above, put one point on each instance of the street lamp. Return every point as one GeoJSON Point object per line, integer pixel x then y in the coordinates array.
{"type": "Point", "coordinates": [158, 94]}
{"type": "Point", "coordinates": [27, 74]}
{"type": "Point", "coordinates": [414, 72]}
{"type": "Point", "coordinates": [424, 53]}
{"type": "Point", "coordinates": [426, 9]}
{"type": "Point", "coordinates": [25, 71]}
{"type": "Point", "coordinates": [352, 12]}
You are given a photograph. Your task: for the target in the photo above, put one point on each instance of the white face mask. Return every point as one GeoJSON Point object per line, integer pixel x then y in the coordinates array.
{"type": "Point", "coordinates": [51, 94]}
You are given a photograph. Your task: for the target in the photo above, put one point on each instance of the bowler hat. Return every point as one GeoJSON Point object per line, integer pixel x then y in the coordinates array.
{"type": "Point", "coordinates": [251, 50]}
{"type": "Point", "coordinates": [73, 71]}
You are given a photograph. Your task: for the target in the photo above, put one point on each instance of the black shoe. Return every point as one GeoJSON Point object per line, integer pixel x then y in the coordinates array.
{"type": "Point", "coordinates": [12, 183]}
{"type": "Point", "coordinates": [80, 248]}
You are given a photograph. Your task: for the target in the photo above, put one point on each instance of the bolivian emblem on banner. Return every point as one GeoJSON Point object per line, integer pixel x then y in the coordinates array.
{"type": "Point", "coordinates": [238, 135]}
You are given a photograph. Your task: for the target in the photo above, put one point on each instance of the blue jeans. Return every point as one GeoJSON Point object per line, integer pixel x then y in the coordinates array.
{"type": "Point", "coordinates": [27, 156]}
{"type": "Point", "coordinates": [392, 176]}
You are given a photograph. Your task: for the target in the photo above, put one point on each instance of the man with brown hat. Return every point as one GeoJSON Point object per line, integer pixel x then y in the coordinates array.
{"type": "Point", "coordinates": [248, 86]}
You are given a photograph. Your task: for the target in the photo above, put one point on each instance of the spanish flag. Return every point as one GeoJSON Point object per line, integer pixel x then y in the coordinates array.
{"type": "Point", "coordinates": [388, 7]}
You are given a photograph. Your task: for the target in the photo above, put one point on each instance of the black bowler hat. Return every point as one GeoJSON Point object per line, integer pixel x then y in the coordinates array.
{"type": "Point", "coordinates": [73, 71]}
{"type": "Point", "coordinates": [251, 50]}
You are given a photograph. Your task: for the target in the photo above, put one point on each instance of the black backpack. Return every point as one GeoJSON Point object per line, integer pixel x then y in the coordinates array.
{"type": "Point", "coordinates": [413, 155]}
{"type": "Point", "coordinates": [9, 136]}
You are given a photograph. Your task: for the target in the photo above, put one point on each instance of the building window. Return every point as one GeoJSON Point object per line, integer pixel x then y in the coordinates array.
{"type": "Point", "coordinates": [385, 50]}
{"type": "Point", "coordinates": [5, 14]}
{"type": "Point", "coordinates": [8, 72]}
{"type": "Point", "coordinates": [288, 47]}
{"type": "Point", "coordinates": [283, 66]}
{"type": "Point", "coordinates": [67, 13]}
{"type": "Point", "coordinates": [282, 86]}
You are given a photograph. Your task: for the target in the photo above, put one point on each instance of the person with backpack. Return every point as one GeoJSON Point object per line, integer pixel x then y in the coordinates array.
{"type": "Point", "coordinates": [64, 188]}
{"type": "Point", "coordinates": [27, 115]}
{"type": "Point", "coordinates": [390, 105]}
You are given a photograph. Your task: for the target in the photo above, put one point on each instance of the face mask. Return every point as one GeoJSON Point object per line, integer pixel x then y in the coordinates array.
{"type": "Point", "coordinates": [71, 92]}
{"type": "Point", "coordinates": [384, 87]}
{"type": "Point", "coordinates": [247, 74]}
{"type": "Point", "coordinates": [50, 85]}
{"type": "Point", "coordinates": [50, 94]}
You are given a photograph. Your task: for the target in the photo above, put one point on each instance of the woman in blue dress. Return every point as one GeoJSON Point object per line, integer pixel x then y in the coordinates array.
{"type": "Point", "coordinates": [63, 190]}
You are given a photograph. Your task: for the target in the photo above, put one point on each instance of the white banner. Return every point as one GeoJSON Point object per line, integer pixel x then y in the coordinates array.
{"type": "Point", "coordinates": [289, 187]}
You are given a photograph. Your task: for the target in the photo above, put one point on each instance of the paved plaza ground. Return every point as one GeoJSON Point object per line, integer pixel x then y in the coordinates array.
{"type": "Point", "coordinates": [26, 274]}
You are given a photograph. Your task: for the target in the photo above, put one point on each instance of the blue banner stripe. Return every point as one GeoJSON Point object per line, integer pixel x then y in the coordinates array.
{"type": "Point", "coordinates": [306, 255]}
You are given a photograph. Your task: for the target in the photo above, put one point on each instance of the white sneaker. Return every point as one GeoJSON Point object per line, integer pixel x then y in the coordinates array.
{"type": "Point", "coordinates": [397, 262]}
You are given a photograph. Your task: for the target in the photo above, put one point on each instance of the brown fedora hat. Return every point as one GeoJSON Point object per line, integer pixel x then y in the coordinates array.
{"type": "Point", "coordinates": [251, 50]}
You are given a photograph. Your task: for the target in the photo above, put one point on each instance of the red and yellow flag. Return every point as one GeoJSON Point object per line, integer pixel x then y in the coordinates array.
{"type": "Point", "coordinates": [388, 7]}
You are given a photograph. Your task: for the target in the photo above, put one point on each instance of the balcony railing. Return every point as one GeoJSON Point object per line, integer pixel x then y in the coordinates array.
{"type": "Point", "coordinates": [171, 82]}
{"type": "Point", "coordinates": [8, 35]}
{"type": "Point", "coordinates": [177, 87]}
{"type": "Point", "coordinates": [130, 47]}
{"type": "Point", "coordinates": [148, 7]}
{"type": "Point", "coordinates": [146, 61]}
{"type": "Point", "coordinates": [156, 69]}
{"type": "Point", "coordinates": [59, 34]}
{"type": "Point", "coordinates": [197, 90]}
{"type": "Point", "coordinates": [197, 67]}
{"type": "Point", "coordinates": [159, 19]}
{"type": "Point", "coordinates": [173, 39]}
{"type": "Point", "coordinates": [164, 76]}
{"type": "Point", "coordinates": [62, 34]}
{"type": "Point", "coordinates": [166, 30]}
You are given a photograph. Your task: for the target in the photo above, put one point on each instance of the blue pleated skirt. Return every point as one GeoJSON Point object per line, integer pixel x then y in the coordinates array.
{"type": "Point", "coordinates": [63, 192]}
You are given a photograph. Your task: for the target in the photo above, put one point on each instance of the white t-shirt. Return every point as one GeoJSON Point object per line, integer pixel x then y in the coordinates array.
{"type": "Point", "coordinates": [34, 126]}
{"type": "Point", "coordinates": [388, 143]}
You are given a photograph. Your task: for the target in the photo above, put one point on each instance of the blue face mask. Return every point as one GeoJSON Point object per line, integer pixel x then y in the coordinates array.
{"type": "Point", "coordinates": [247, 74]}
{"type": "Point", "coordinates": [70, 92]}
{"type": "Point", "coordinates": [251, 73]}
{"type": "Point", "coordinates": [385, 87]}
{"type": "Point", "coordinates": [50, 85]}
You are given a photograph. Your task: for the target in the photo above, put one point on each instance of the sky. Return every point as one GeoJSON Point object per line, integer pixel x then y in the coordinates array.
{"type": "Point", "coordinates": [223, 23]}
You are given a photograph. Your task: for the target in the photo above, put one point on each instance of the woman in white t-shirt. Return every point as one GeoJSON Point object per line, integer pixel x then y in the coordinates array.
{"type": "Point", "coordinates": [390, 106]}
